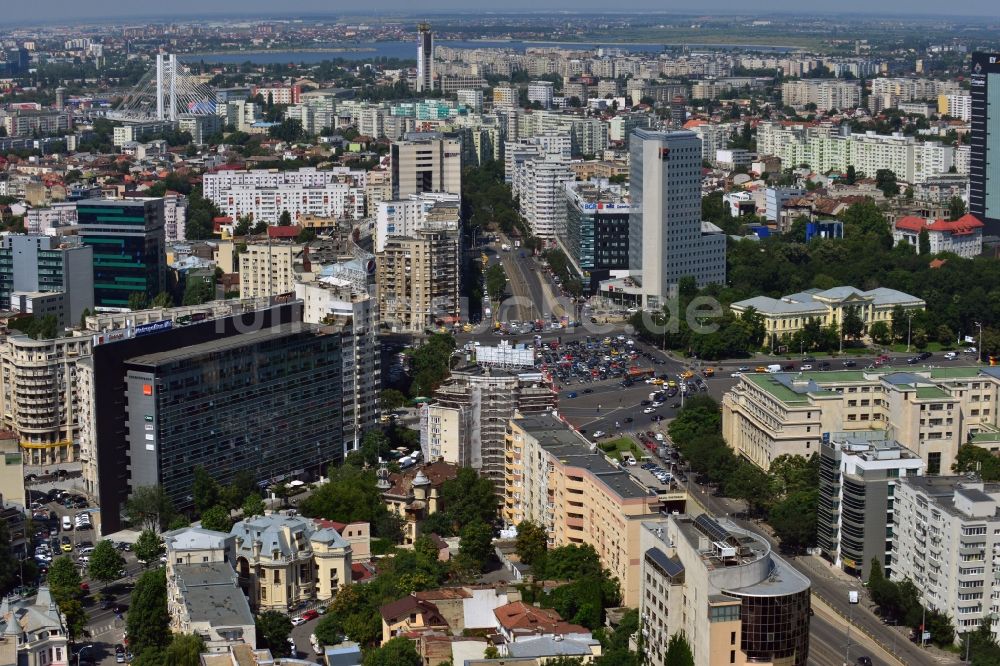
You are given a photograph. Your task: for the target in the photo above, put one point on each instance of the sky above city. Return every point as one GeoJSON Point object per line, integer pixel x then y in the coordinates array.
{"type": "Point", "coordinates": [58, 10]}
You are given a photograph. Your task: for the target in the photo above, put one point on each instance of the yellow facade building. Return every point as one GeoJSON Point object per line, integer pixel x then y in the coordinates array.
{"type": "Point", "coordinates": [788, 315]}
{"type": "Point", "coordinates": [580, 497]}
{"type": "Point", "coordinates": [929, 410]}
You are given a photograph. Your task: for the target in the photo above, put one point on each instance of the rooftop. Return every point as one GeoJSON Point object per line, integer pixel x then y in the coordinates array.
{"type": "Point", "coordinates": [565, 444]}
{"type": "Point", "coordinates": [232, 342]}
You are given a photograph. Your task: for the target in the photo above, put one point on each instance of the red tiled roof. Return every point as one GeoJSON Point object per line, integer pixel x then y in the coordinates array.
{"type": "Point", "coordinates": [521, 617]}
{"type": "Point", "coordinates": [938, 263]}
{"type": "Point", "coordinates": [964, 225]}
{"type": "Point", "coordinates": [283, 232]}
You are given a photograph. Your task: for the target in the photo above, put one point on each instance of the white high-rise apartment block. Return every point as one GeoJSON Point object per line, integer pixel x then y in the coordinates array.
{"type": "Point", "coordinates": [540, 186]}
{"type": "Point", "coordinates": [946, 537]}
{"type": "Point", "coordinates": [331, 296]}
{"type": "Point", "coordinates": [337, 200]}
{"type": "Point", "coordinates": [215, 184]}
{"type": "Point", "coordinates": [912, 90]}
{"type": "Point", "coordinates": [714, 137]}
{"type": "Point", "coordinates": [541, 92]}
{"type": "Point", "coordinates": [667, 239]}
{"type": "Point", "coordinates": [405, 217]}
{"type": "Point", "coordinates": [957, 106]}
{"type": "Point", "coordinates": [472, 99]}
{"type": "Point", "coordinates": [825, 94]}
{"type": "Point", "coordinates": [824, 150]}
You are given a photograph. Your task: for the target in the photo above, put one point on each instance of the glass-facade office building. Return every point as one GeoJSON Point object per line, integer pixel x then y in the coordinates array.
{"type": "Point", "coordinates": [268, 402]}
{"type": "Point", "coordinates": [129, 248]}
{"type": "Point", "coordinates": [597, 233]}
{"type": "Point", "coordinates": [984, 167]}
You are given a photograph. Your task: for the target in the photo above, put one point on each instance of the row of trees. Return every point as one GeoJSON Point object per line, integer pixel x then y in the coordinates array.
{"type": "Point", "coordinates": [958, 294]}
{"type": "Point", "coordinates": [786, 496]}
{"type": "Point", "coordinates": [563, 270]}
{"type": "Point", "coordinates": [899, 603]}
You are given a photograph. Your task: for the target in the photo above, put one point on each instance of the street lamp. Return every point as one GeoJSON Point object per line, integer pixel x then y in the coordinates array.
{"type": "Point", "coordinates": [79, 654]}
{"type": "Point", "coordinates": [909, 318]}
{"type": "Point", "coordinates": [979, 349]}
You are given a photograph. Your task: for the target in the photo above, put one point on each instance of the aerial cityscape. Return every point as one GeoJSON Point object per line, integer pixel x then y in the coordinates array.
{"type": "Point", "coordinates": [512, 336]}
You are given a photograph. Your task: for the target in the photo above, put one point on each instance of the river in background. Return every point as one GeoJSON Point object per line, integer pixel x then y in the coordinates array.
{"type": "Point", "coordinates": [408, 51]}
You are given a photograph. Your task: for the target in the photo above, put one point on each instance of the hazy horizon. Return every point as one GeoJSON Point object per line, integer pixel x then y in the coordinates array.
{"type": "Point", "coordinates": [57, 11]}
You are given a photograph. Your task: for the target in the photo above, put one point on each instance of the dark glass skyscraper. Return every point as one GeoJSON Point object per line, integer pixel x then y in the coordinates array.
{"type": "Point", "coordinates": [266, 402]}
{"type": "Point", "coordinates": [129, 248]}
{"type": "Point", "coordinates": [984, 170]}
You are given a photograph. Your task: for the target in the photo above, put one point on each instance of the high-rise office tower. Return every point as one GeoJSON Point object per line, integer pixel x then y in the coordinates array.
{"type": "Point", "coordinates": [984, 170]}
{"type": "Point", "coordinates": [56, 274]}
{"type": "Point", "coordinates": [426, 162]}
{"type": "Point", "coordinates": [425, 58]}
{"type": "Point", "coordinates": [129, 248]}
{"type": "Point", "coordinates": [667, 239]}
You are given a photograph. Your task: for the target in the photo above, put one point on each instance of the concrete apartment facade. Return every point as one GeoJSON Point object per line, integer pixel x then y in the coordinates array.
{"type": "Point", "coordinates": [552, 478]}
{"type": "Point", "coordinates": [39, 396]}
{"type": "Point", "coordinates": [268, 269]}
{"type": "Point", "coordinates": [466, 422]}
{"type": "Point", "coordinates": [418, 279]}
{"type": "Point", "coordinates": [353, 309]}
{"type": "Point", "coordinates": [947, 542]}
{"type": "Point", "coordinates": [825, 94]}
{"type": "Point", "coordinates": [858, 474]}
{"type": "Point", "coordinates": [929, 410]}
{"type": "Point", "coordinates": [695, 569]}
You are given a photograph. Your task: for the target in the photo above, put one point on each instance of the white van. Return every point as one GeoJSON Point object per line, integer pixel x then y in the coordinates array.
{"type": "Point", "coordinates": [67, 524]}
{"type": "Point", "coordinates": [773, 368]}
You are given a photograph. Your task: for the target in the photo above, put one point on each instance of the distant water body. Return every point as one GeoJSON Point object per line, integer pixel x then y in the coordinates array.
{"type": "Point", "coordinates": [408, 51]}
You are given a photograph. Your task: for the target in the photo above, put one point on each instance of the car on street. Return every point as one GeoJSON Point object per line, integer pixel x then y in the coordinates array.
{"type": "Point", "coordinates": [648, 410]}
{"type": "Point", "coordinates": [913, 360]}
{"type": "Point", "coordinates": [744, 368]}
{"type": "Point", "coordinates": [805, 366]}
{"type": "Point", "coordinates": [588, 390]}
{"type": "Point", "coordinates": [310, 615]}
{"type": "Point", "coordinates": [849, 364]}
{"type": "Point", "coordinates": [951, 356]}
{"type": "Point", "coordinates": [296, 621]}
{"type": "Point", "coordinates": [598, 434]}
{"type": "Point", "coordinates": [736, 374]}
{"type": "Point", "coordinates": [923, 356]}
{"type": "Point", "coordinates": [628, 419]}
{"type": "Point", "coordinates": [571, 394]}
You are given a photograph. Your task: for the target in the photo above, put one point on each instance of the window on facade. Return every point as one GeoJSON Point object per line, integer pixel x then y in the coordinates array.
{"type": "Point", "coordinates": [934, 463]}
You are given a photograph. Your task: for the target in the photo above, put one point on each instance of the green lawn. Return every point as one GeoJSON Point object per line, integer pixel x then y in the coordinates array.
{"type": "Point", "coordinates": [615, 447]}
{"type": "Point", "coordinates": [931, 347]}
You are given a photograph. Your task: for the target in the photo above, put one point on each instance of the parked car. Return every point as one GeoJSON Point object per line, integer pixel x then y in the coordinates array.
{"type": "Point", "coordinates": [310, 615]}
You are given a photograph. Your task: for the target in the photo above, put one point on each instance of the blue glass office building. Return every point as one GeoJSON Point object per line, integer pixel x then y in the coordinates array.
{"type": "Point", "coordinates": [129, 248]}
